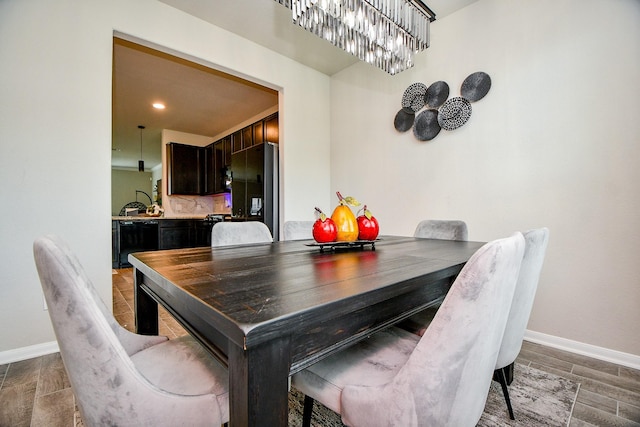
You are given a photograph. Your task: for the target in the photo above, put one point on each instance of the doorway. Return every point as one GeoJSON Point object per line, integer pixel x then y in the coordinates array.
{"type": "Point", "coordinates": [198, 100]}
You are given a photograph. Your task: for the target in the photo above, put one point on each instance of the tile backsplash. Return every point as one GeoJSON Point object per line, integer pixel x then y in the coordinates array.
{"type": "Point", "coordinates": [175, 206]}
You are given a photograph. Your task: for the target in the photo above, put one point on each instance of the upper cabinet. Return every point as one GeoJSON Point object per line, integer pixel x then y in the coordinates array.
{"type": "Point", "coordinates": [236, 141]}
{"type": "Point", "coordinates": [217, 176]}
{"type": "Point", "coordinates": [185, 169]}
{"type": "Point", "coordinates": [271, 129]}
{"type": "Point", "coordinates": [247, 137]}
{"type": "Point", "coordinates": [199, 171]}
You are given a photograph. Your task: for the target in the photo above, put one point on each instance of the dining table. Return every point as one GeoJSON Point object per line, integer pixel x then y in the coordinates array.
{"type": "Point", "coordinates": [269, 310]}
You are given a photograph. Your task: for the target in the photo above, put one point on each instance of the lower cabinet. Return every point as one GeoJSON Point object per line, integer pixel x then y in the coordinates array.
{"type": "Point", "coordinates": [176, 234]}
{"type": "Point", "coordinates": [115, 245]}
{"type": "Point", "coordinates": [203, 234]}
{"type": "Point", "coordinates": [184, 233]}
{"type": "Point", "coordinates": [135, 236]}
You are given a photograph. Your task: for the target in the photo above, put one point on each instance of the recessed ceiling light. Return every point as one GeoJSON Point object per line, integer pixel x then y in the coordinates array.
{"type": "Point", "coordinates": [158, 106]}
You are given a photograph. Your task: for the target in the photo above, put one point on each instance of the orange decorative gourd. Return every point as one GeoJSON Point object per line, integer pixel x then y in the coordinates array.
{"type": "Point", "coordinates": [345, 220]}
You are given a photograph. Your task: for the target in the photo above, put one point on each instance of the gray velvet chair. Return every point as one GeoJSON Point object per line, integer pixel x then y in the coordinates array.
{"type": "Point", "coordinates": [240, 233]}
{"type": "Point", "coordinates": [118, 377]}
{"type": "Point", "coordinates": [535, 248]}
{"type": "Point", "coordinates": [443, 229]}
{"type": "Point", "coordinates": [298, 230]}
{"type": "Point", "coordinates": [395, 378]}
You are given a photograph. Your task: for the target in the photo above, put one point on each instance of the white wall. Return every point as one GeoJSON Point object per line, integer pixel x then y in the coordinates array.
{"type": "Point", "coordinates": [554, 143]}
{"type": "Point", "coordinates": [125, 183]}
{"type": "Point", "coordinates": [55, 133]}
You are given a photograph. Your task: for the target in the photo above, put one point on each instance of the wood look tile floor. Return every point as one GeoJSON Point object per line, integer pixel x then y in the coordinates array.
{"type": "Point", "coordinates": [36, 392]}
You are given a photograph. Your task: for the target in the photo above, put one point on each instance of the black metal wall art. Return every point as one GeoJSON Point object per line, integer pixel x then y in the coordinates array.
{"type": "Point", "coordinates": [440, 112]}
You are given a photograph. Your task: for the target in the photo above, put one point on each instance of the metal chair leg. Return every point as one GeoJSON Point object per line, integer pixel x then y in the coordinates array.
{"type": "Point", "coordinates": [508, 372]}
{"type": "Point", "coordinates": [307, 411]}
{"type": "Point", "coordinates": [501, 377]}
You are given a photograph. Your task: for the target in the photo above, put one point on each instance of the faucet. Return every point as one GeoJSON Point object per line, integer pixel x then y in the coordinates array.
{"type": "Point", "coordinates": [149, 197]}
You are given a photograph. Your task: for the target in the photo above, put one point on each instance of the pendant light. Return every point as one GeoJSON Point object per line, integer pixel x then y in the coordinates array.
{"type": "Point", "coordinates": [140, 162]}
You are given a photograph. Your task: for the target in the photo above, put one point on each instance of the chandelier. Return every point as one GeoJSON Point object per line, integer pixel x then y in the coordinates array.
{"type": "Point", "coordinates": [384, 33]}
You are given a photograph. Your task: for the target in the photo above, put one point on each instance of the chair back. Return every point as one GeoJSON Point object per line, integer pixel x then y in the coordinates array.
{"type": "Point", "coordinates": [240, 233]}
{"type": "Point", "coordinates": [298, 230]}
{"type": "Point", "coordinates": [442, 229]}
{"type": "Point", "coordinates": [108, 388]}
{"type": "Point", "coordinates": [90, 350]}
{"type": "Point", "coordinates": [446, 380]}
{"type": "Point", "coordinates": [535, 248]}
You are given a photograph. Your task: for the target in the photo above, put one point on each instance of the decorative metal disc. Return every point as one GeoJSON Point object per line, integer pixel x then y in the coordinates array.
{"type": "Point", "coordinates": [454, 113]}
{"type": "Point", "coordinates": [404, 120]}
{"type": "Point", "coordinates": [476, 86]}
{"type": "Point", "coordinates": [413, 97]}
{"type": "Point", "coordinates": [436, 94]}
{"type": "Point", "coordinates": [426, 125]}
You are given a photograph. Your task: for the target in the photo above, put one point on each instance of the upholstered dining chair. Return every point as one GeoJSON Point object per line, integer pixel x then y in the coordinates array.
{"type": "Point", "coordinates": [395, 378]}
{"type": "Point", "coordinates": [240, 233]}
{"type": "Point", "coordinates": [118, 377]}
{"type": "Point", "coordinates": [443, 229]}
{"type": "Point", "coordinates": [298, 230]}
{"type": "Point", "coordinates": [535, 248]}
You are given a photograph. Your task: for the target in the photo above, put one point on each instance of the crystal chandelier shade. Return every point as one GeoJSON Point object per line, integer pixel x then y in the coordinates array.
{"type": "Point", "coordinates": [384, 33]}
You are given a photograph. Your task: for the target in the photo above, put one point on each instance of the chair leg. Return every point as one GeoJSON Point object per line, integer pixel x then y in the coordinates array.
{"type": "Point", "coordinates": [502, 379]}
{"type": "Point", "coordinates": [307, 411]}
{"type": "Point", "coordinates": [508, 371]}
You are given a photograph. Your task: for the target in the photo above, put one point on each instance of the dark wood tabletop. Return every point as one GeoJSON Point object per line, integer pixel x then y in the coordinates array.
{"type": "Point", "coordinates": [270, 310]}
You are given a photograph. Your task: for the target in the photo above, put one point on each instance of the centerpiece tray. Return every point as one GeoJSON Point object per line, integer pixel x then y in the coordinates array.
{"type": "Point", "coordinates": [357, 244]}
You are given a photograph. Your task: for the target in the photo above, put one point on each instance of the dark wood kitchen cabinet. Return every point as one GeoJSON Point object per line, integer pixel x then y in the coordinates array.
{"type": "Point", "coordinates": [258, 132]}
{"type": "Point", "coordinates": [184, 233]}
{"type": "Point", "coordinates": [198, 171]}
{"type": "Point", "coordinates": [236, 141]}
{"type": "Point", "coordinates": [220, 158]}
{"type": "Point", "coordinates": [210, 169]}
{"type": "Point", "coordinates": [115, 244]}
{"type": "Point", "coordinates": [202, 233]}
{"type": "Point", "coordinates": [185, 169]}
{"type": "Point", "coordinates": [272, 129]}
{"type": "Point", "coordinates": [176, 233]}
{"type": "Point", "coordinates": [152, 234]}
{"type": "Point", "coordinates": [227, 151]}
{"type": "Point", "coordinates": [247, 137]}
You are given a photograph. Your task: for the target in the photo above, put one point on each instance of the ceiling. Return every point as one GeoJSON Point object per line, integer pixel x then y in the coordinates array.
{"type": "Point", "coordinates": [272, 27]}
{"type": "Point", "coordinates": [204, 101]}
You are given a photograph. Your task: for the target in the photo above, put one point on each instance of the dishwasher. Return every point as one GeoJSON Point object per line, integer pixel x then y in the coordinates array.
{"type": "Point", "coordinates": [136, 236]}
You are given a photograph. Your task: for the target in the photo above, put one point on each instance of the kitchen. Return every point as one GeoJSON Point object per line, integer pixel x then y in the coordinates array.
{"type": "Point", "coordinates": [215, 130]}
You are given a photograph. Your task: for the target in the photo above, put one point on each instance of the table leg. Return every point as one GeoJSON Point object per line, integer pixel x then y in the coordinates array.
{"type": "Point", "coordinates": [145, 308]}
{"type": "Point", "coordinates": [258, 384]}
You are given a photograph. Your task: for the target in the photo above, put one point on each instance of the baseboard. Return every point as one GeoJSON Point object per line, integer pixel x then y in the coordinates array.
{"type": "Point", "coordinates": [29, 352]}
{"type": "Point", "coordinates": [600, 353]}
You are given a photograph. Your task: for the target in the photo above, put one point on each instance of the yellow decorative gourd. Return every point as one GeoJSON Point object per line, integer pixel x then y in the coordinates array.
{"type": "Point", "coordinates": [345, 220]}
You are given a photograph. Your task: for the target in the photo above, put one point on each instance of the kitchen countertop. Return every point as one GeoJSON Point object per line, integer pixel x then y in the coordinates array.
{"type": "Point", "coordinates": [147, 218]}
